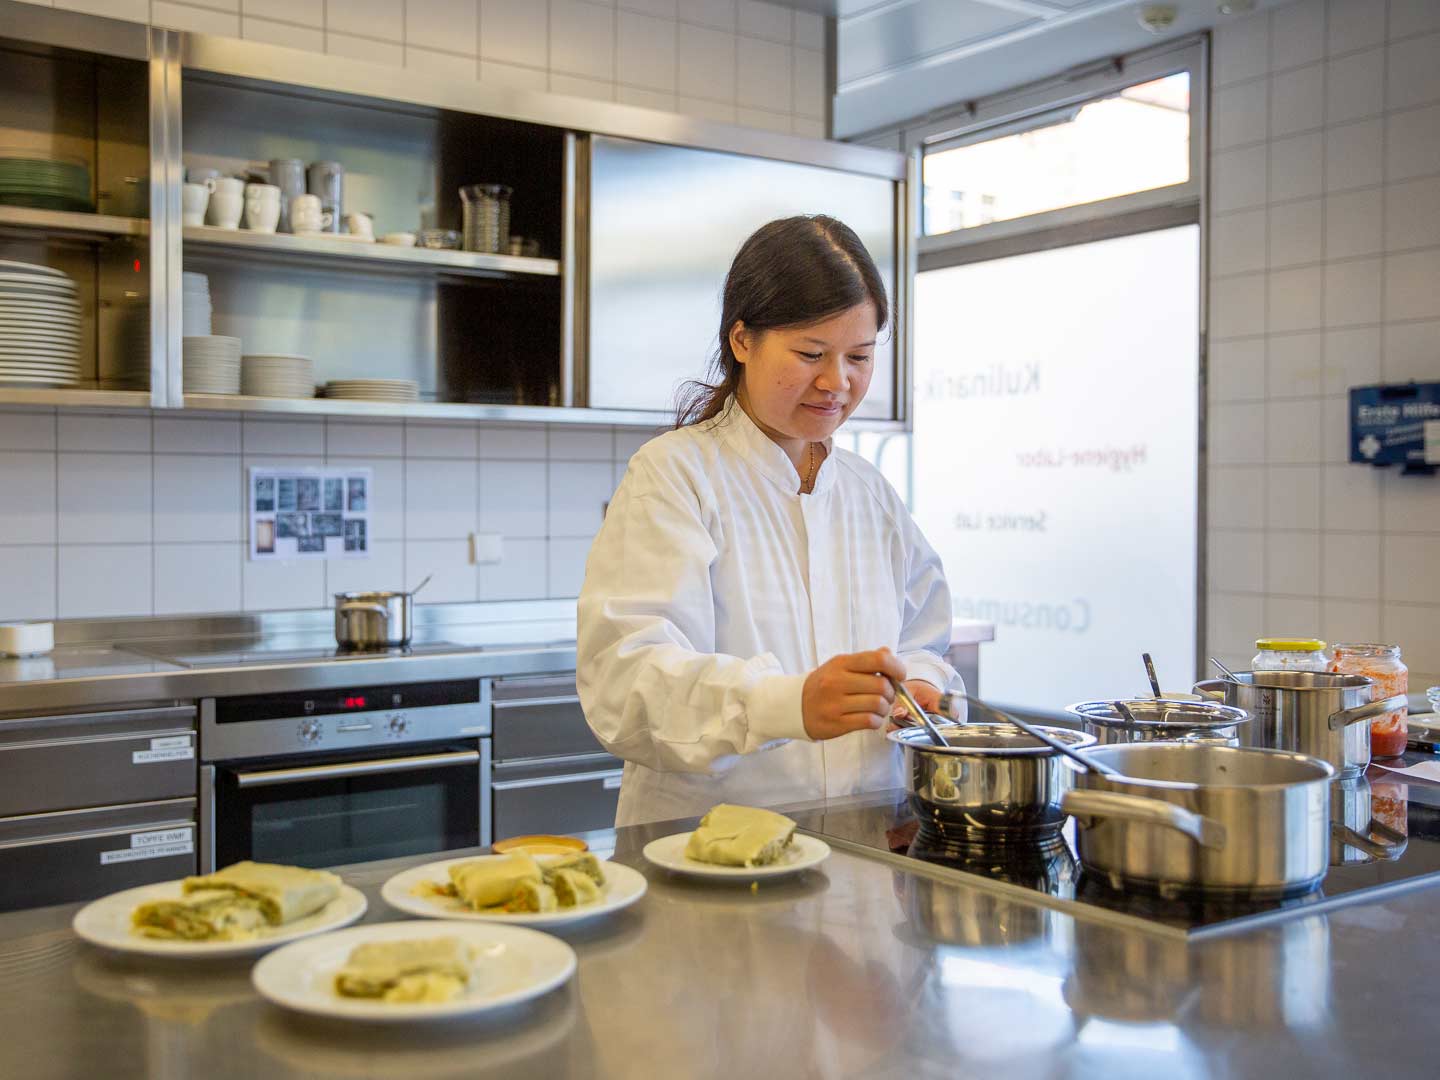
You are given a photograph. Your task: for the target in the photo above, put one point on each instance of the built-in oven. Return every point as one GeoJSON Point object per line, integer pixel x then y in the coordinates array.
{"type": "Point", "coordinates": [356, 774]}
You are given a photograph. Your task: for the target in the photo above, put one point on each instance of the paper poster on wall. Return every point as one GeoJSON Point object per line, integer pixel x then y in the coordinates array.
{"type": "Point", "coordinates": [310, 513]}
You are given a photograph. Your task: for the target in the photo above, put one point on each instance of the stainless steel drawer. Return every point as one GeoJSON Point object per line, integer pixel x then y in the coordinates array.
{"type": "Point", "coordinates": [557, 803]}
{"type": "Point", "coordinates": [541, 727]}
{"type": "Point", "coordinates": [96, 759]}
{"type": "Point", "coordinates": [77, 855]}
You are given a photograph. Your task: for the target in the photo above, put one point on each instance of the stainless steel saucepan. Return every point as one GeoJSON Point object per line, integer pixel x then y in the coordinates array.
{"type": "Point", "coordinates": [375, 620]}
{"type": "Point", "coordinates": [1159, 719]}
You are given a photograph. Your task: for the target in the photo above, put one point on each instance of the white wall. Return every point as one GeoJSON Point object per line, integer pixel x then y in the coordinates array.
{"type": "Point", "coordinates": [1325, 274]}
{"type": "Point", "coordinates": [738, 61]}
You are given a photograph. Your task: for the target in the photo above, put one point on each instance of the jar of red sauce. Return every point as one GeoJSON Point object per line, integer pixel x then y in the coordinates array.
{"type": "Point", "coordinates": [1382, 664]}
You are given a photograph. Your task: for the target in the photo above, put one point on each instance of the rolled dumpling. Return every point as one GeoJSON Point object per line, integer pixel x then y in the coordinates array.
{"type": "Point", "coordinates": [533, 896]}
{"type": "Point", "coordinates": [426, 969]}
{"type": "Point", "coordinates": [582, 862]}
{"type": "Point", "coordinates": [490, 882]}
{"type": "Point", "coordinates": [574, 888]}
{"type": "Point", "coordinates": [284, 893]}
{"type": "Point", "coordinates": [740, 836]}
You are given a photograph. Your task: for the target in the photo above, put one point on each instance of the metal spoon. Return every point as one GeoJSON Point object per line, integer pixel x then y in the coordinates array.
{"type": "Point", "coordinates": [1074, 755]}
{"type": "Point", "coordinates": [1125, 713]}
{"type": "Point", "coordinates": [422, 584]}
{"type": "Point", "coordinates": [1229, 675]}
{"type": "Point", "coordinates": [1150, 671]}
{"type": "Point", "coordinates": [913, 708]}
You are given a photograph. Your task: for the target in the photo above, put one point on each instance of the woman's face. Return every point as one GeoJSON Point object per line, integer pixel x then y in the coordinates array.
{"type": "Point", "coordinates": [801, 383]}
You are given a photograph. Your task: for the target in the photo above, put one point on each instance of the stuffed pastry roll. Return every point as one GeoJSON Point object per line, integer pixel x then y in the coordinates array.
{"type": "Point", "coordinates": [204, 915]}
{"type": "Point", "coordinates": [532, 896]}
{"type": "Point", "coordinates": [426, 969]}
{"type": "Point", "coordinates": [284, 893]}
{"type": "Point", "coordinates": [582, 861]}
{"type": "Point", "coordinates": [740, 836]}
{"type": "Point", "coordinates": [489, 882]}
{"type": "Point", "coordinates": [573, 888]}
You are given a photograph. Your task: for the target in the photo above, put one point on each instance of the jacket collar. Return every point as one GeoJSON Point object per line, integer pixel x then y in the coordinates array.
{"type": "Point", "coordinates": [741, 433]}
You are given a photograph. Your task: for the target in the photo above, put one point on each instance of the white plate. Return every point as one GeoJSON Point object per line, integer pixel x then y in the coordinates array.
{"type": "Point", "coordinates": [513, 964]}
{"type": "Point", "coordinates": [623, 886]}
{"type": "Point", "coordinates": [106, 922]}
{"type": "Point", "coordinates": [9, 265]}
{"type": "Point", "coordinates": [669, 853]}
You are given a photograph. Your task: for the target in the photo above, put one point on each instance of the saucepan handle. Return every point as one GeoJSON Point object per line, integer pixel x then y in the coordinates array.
{"type": "Point", "coordinates": [1382, 843]}
{"type": "Point", "coordinates": [1102, 804]}
{"type": "Point", "coordinates": [361, 605]}
{"type": "Point", "coordinates": [1346, 717]}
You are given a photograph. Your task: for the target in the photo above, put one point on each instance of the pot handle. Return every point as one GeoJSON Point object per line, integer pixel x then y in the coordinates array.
{"type": "Point", "coordinates": [1346, 717]}
{"type": "Point", "coordinates": [361, 605]}
{"type": "Point", "coordinates": [1382, 843]}
{"type": "Point", "coordinates": [1102, 804]}
{"type": "Point", "coordinates": [1210, 689]}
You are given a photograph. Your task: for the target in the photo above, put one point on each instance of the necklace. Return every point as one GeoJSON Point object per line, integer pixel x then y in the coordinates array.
{"type": "Point", "coordinates": [810, 471]}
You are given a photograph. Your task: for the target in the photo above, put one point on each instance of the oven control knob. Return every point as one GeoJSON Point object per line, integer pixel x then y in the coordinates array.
{"type": "Point", "coordinates": [398, 725]}
{"type": "Point", "coordinates": [310, 731]}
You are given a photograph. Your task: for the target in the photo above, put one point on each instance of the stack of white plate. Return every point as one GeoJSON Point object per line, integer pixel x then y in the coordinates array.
{"type": "Point", "coordinates": [212, 365]}
{"type": "Point", "coordinates": [276, 375]}
{"type": "Point", "coordinates": [373, 389]}
{"type": "Point", "coordinates": [39, 326]}
{"type": "Point", "coordinates": [195, 308]}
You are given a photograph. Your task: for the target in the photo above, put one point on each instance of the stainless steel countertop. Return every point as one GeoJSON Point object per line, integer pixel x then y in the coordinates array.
{"type": "Point", "coordinates": [855, 969]}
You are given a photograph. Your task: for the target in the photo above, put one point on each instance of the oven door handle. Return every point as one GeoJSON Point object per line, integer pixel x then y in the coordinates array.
{"type": "Point", "coordinates": [275, 777]}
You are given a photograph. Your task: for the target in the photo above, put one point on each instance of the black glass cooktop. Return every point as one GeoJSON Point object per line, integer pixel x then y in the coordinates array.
{"type": "Point", "coordinates": [1403, 816]}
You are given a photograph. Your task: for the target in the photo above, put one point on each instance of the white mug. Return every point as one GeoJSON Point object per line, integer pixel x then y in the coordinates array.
{"type": "Point", "coordinates": [305, 213]}
{"type": "Point", "coordinates": [227, 185]}
{"type": "Point", "coordinates": [193, 200]}
{"type": "Point", "coordinates": [360, 225]}
{"type": "Point", "coordinates": [262, 207]}
{"type": "Point", "coordinates": [225, 210]}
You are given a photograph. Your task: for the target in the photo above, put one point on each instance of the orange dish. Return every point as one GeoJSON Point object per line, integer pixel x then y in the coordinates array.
{"type": "Point", "coordinates": [540, 845]}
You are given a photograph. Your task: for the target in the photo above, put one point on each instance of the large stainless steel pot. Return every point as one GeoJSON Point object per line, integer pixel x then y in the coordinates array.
{"type": "Point", "coordinates": [990, 779]}
{"type": "Point", "coordinates": [1159, 719]}
{"type": "Point", "coordinates": [1309, 712]}
{"type": "Point", "coordinates": [373, 620]}
{"type": "Point", "coordinates": [1194, 818]}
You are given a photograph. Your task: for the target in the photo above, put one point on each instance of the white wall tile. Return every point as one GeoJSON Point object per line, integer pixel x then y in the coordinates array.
{"type": "Point", "coordinates": [454, 578]}
{"type": "Point", "coordinates": [1335, 430]}
{"type": "Point", "coordinates": [582, 39]}
{"type": "Point", "coordinates": [1410, 351]}
{"type": "Point", "coordinates": [440, 499]}
{"type": "Point", "coordinates": [1412, 72]}
{"type": "Point", "coordinates": [513, 498]}
{"type": "Point", "coordinates": [363, 48]}
{"type": "Point", "coordinates": [1237, 560]}
{"type": "Point", "coordinates": [1350, 497]}
{"type": "Point", "coordinates": [1349, 620]}
{"type": "Point", "coordinates": [1350, 566]}
{"type": "Point", "coordinates": [1353, 222]}
{"type": "Point", "coordinates": [1297, 100]}
{"type": "Point", "coordinates": [1237, 243]}
{"type": "Point", "coordinates": [716, 13]}
{"type": "Point", "coordinates": [578, 494]}
{"type": "Point", "coordinates": [706, 64]}
{"type": "Point", "coordinates": [1354, 155]}
{"type": "Point", "coordinates": [27, 494]}
{"type": "Point", "coordinates": [423, 440]}
{"type": "Point", "coordinates": [1413, 17]}
{"type": "Point", "coordinates": [1290, 615]}
{"type": "Point", "coordinates": [720, 111]}
{"type": "Point", "coordinates": [576, 86]}
{"type": "Point", "coordinates": [133, 10]}
{"type": "Point", "coordinates": [513, 441]}
{"type": "Point", "coordinates": [1237, 433]}
{"type": "Point", "coordinates": [446, 25]}
{"type": "Point", "coordinates": [762, 20]}
{"type": "Point", "coordinates": [810, 127]}
{"type": "Point", "coordinates": [1237, 306]}
{"type": "Point", "coordinates": [1352, 292]}
{"type": "Point", "coordinates": [1238, 114]}
{"type": "Point", "coordinates": [304, 12]}
{"type": "Point", "coordinates": [1412, 215]}
{"type": "Point", "coordinates": [665, 8]}
{"type": "Point", "coordinates": [441, 65]}
{"type": "Point", "coordinates": [1236, 497]}
{"type": "Point", "coordinates": [811, 90]}
{"type": "Point", "coordinates": [1292, 435]}
{"type": "Point", "coordinates": [97, 581]}
{"type": "Point", "coordinates": [1294, 365]}
{"type": "Point", "coordinates": [645, 51]}
{"type": "Point", "coordinates": [1412, 570]}
{"type": "Point", "coordinates": [567, 567]}
{"type": "Point", "coordinates": [515, 32]}
{"type": "Point", "coordinates": [1292, 500]}
{"type": "Point", "coordinates": [195, 578]}
{"type": "Point", "coordinates": [183, 435]}
{"type": "Point", "coordinates": [1412, 144]}
{"type": "Point", "coordinates": [286, 585]}
{"type": "Point", "coordinates": [628, 440]}
{"type": "Point", "coordinates": [1413, 624]}
{"type": "Point", "coordinates": [286, 34]}
{"type": "Point", "coordinates": [104, 498]}
{"type": "Point", "coordinates": [1233, 618]}
{"type": "Point", "coordinates": [1352, 358]}
{"type": "Point", "coordinates": [1355, 86]}
{"type": "Point", "coordinates": [1297, 167]}
{"type": "Point", "coordinates": [29, 430]}
{"type": "Point", "coordinates": [810, 30]}
{"type": "Point", "coordinates": [762, 77]}
{"type": "Point", "coordinates": [383, 19]}
{"type": "Point", "coordinates": [1241, 49]}
{"type": "Point", "coordinates": [1292, 564]}
{"type": "Point", "coordinates": [1297, 35]}
{"type": "Point", "coordinates": [1296, 299]}
{"type": "Point", "coordinates": [1296, 232]}
{"type": "Point", "coordinates": [92, 431]}
{"type": "Point", "coordinates": [517, 78]}
{"type": "Point", "coordinates": [575, 442]}
{"type": "Point", "coordinates": [198, 498]}
{"type": "Point", "coordinates": [1237, 370]}
{"type": "Point", "coordinates": [384, 569]}
{"type": "Point", "coordinates": [27, 582]}
{"type": "Point", "coordinates": [1239, 178]}
{"type": "Point", "coordinates": [196, 20]}
{"type": "Point", "coordinates": [522, 574]}
{"type": "Point", "coordinates": [645, 99]}
{"type": "Point", "coordinates": [346, 439]}
{"type": "Point", "coordinates": [1408, 507]}
{"type": "Point", "coordinates": [764, 121]}
{"type": "Point", "coordinates": [282, 436]}
{"type": "Point", "coordinates": [1355, 24]}
{"type": "Point", "coordinates": [1411, 290]}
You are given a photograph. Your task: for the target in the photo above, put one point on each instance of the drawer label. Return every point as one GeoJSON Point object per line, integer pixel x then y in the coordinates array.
{"type": "Point", "coordinates": [161, 837]}
{"type": "Point", "coordinates": [149, 851]}
{"type": "Point", "coordinates": [169, 742]}
{"type": "Point", "coordinates": [612, 782]}
{"type": "Point", "coordinates": [174, 753]}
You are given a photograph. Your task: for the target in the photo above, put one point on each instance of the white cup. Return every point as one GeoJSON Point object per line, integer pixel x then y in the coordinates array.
{"type": "Point", "coordinates": [193, 200]}
{"type": "Point", "coordinates": [227, 185]}
{"type": "Point", "coordinates": [225, 210]}
{"type": "Point", "coordinates": [262, 207]}
{"type": "Point", "coordinates": [305, 213]}
{"type": "Point", "coordinates": [360, 225]}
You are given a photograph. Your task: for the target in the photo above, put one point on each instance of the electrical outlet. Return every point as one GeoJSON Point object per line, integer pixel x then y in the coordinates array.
{"type": "Point", "coordinates": [486, 549]}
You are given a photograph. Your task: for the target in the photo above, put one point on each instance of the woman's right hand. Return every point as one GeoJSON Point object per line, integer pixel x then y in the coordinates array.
{"type": "Point", "coordinates": [845, 694]}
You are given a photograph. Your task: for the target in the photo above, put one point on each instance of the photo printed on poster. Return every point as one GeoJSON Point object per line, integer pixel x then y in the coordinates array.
{"type": "Point", "coordinates": [309, 513]}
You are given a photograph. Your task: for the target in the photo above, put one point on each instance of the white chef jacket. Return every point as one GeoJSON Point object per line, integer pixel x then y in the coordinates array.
{"type": "Point", "coordinates": [714, 587]}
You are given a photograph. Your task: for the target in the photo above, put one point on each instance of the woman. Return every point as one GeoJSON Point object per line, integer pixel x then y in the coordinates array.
{"type": "Point", "coordinates": [753, 589]}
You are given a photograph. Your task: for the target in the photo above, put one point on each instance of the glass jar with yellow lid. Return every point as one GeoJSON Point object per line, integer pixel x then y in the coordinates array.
{"type": "Point", "coordinates": [1288, 654]}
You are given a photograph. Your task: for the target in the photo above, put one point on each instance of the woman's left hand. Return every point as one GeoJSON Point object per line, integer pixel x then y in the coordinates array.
{"type": "Point", "coordinates": [925, 695]}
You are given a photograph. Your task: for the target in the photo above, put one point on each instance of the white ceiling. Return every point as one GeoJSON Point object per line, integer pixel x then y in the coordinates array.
{"type": "Point", "coordinates": [899, 59]}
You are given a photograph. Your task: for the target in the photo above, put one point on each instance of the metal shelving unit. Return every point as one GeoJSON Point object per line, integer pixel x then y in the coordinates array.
{"type": "Point", "coordinates": [21, 221]}
{"type": "Point", "coordinates": [419, 410]}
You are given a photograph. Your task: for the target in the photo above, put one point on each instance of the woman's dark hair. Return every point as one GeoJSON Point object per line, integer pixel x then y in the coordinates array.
{"type": "Point", "coordinates": [791, 272]}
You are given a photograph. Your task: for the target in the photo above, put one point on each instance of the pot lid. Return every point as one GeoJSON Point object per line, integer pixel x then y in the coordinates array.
{"type": "Point", "coordinates": [1160, 713]}
{"type": "Point", "coordinates": [994, 740]}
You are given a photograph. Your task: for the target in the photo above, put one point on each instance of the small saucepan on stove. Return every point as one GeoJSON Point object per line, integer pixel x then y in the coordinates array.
{"type": "Point", "coordinates": [375, 620]}
{"type": "Point", "coordinates": [1159, 719]}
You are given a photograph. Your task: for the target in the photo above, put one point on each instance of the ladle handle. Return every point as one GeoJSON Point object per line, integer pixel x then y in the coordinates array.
{"type": "Point", "coordinates": [1087, 763]}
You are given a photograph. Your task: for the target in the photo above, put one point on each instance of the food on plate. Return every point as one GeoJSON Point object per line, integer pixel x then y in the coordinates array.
{"type": "Point", "coordinates": [574, 888]}
{"type": "Point", "coordinates": [740, 836]}
{"type": "Point", "coordinates": [518, 883]}
{"type": "Point", "coordinates": [533, 896]}
{"type": "Point", "coordinates": [485, 883]}
{"type": "Point", "coordinates": [237, 903]}
{"type": "Point", "coordinates": [539, 845]}
{"type": "Point", "coordinates": [583, 862]}
{"type": "Point", "coordinates": [421, 970]}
